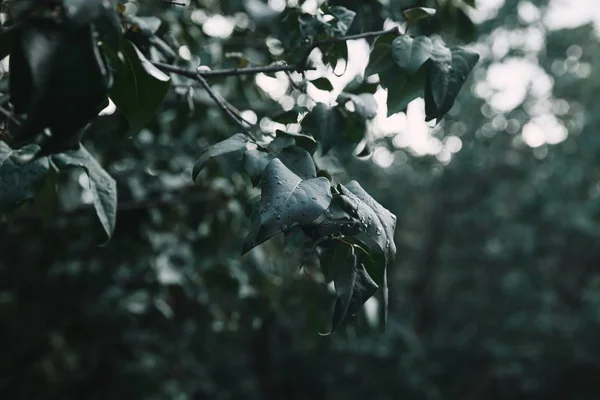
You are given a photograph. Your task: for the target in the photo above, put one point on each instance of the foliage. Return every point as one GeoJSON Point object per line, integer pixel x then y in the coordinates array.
{"type": "Point", "coordinates": [492, 294]}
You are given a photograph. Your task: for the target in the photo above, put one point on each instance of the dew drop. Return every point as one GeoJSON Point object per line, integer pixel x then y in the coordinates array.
{"type": "Point", "coordinates": [378, 232]}
{"type": "Point", "coordinates": [314, 197]}
{"type": "Point", "coordinates": [278, 217]}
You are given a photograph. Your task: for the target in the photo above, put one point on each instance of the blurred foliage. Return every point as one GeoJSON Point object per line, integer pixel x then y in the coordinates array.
{"type": "Point", "coordinates": [493, 293]}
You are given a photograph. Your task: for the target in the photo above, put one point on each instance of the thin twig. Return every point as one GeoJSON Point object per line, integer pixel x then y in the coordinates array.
{"type": "Point", "coordinates": [219, 73]}
{"type": "Point", "coordinates": [221, 103]}
{"type": "Point", "coordinates": [395, 31]}
{"type": "Point", "coordinates": [9, 115]}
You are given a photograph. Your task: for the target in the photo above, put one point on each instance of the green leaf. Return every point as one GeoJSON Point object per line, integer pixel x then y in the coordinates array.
{"type": "Point", "coordinates": [46, 198]}
{"type": "Point", "coordinates": [418, 13]}
{"type": "Point", "coordinates": [286, 201]}
{"type": "Point", "coordinates": [410, 54]}
{"type": "Point", "coordinates": [343, 19]}
{"type": "Point", "coordinates": [438, 71]}
{"type": "Point", "coordinates": [19, 176]}
{"type": "Point", "coordinates": [323, 84]}
{"type": "Point", "coordinates": [365, 104]}
{"type": "Point", "coordinates": [377, 223]}
{"type": "Point", "coordinates": [380, 59]}
{"type": "Point", "coordinates": [102, 185]}
{"type": "Point", "coordinates": [326, 125]}
{"type": "Point", "coordinates": [59, 79]}
{"type": "Point", "coordinates": [337, 220]}
{"type": "Point", "coordinates": [353, 287]}
{"type": "Point", "coordinates": [235, 144]}
{"type": "Point", "coordinates": [298, 160]}
{"type": "Point", "coordinates": [402, 89]}
{"type": "Point", "coordinates": [139, 86]}
{"type": "Point", "coordinates": [463, 62]}
{"type": "Point", "coordinates": [307, 142]}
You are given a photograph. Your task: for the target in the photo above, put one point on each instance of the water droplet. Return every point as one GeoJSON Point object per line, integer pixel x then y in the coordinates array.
{"type": "Point", "coordinates": [276, 177]}
{"type": "Point", "coordinates": [378, 232]}
{"type": "Point", "coordinates": [314, 197]}
{"type": "Point", "coordinates": [278, 217]}
{"type": "Point", "coordinates": [277, 197]}
{"type": "Point", "coordinates": [387, 244]}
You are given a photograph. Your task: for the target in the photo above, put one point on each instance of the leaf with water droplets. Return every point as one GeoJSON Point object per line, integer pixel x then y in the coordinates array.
{"type": "Point", "coordinates": [236, 145]}
{"type": "Point", "coordinates": [20, 177]}
{"type": "Point", "coordinates": [295, 158]}
{"type": "Point", "coordinates": [102, 185]}
{"type": "Point", "coordinates": [300, 202]}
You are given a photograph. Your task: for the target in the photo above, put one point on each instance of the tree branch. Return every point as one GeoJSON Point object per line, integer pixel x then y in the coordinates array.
{"type": "Point", "coordinates": [220, 73]}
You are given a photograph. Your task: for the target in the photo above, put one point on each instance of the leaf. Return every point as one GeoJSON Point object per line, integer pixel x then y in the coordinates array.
{"type": "Point", "coordinates": [46, 198]}
{"type": "Point", "coordinates": [365, 104]}
{"type": "Point", "coordinates": [472, 3]}
{"type": "Point", "coordinates": [379, 224]}
{"type": "Point", "coordinates": [294, 158]}
{"type": "Point", "coordinates": [353, 287]}
{"type": "Point", "coordinates": [418, 13]}
{"type": "Point", "coordinates": [402, 89]}
{"type": "Point", "coordinates": [139, 86]}
{"type": "Point", "coordinates": [379, 58]}
{"type": "Point", "coordinates": [343, 19]}
{"type": "Point", "coordinates": [463, 62]}
{"type": "Point", "coordinates": [410, 53]}
{"type": "Point", "coordinates": [326, 125]}
{"type": "Point", "coordinates": [286, 201]}
{"type": "Point", "coordinates": [322, 84]}
{"type": "Point", "coordinates": [19, 176]}
{"type": "Point", "coordinates": [59, 79]}
{"type": "Point", "coordinates": [102, 185]}
{"type": "Point", "coordinates": [307, 142]}
{"type": "Point", "coordinates": [337, 220]}
{"type": "Point", "coordinates": [235, 144]}
{"type": "Point", "coordinates": [82, 12]}
{"type": "Point", "coordinates": [438, 71]}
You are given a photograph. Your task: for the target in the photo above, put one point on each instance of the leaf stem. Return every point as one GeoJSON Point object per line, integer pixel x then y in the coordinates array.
{"type": "Point", "coordinates": [395, 30]}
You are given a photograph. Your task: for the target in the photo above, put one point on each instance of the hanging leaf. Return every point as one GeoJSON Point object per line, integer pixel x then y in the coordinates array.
{"type": "Point", "coordinates": [365, 104]}
{"type": "Point", "coordinates": [403, 89]}
{"type": "Point", "coordinates": [20, 177]}
{"type": "Point", "coordinates": [326, 125]}
{"type": "Point", "coordinates": [286, 201]}
{"type": "Point", "coordinates": [343, 19]}
{"type": "Point", "coordinates": [139, 86]}
{"type": "Point", "coordinates": [437, 102]}
{"type": "Point", "coordinates": [418, 14]}
{"type": "Point", "coordinates": [307, 142]}
{"type": "Point", "coordinates": [438, 72]}
{"type": "Point", "coordinates": [102, 185]}
{"type": "Point", "coordinates": [236, 144]}
{"type": "Point", "coordinates": [410, 54]}
{"type": "Point", "coordinates": [339, 219]}
{"type": "Point", "coordinates": [353, 286]}
{"type": "Point", "coordinates": [323, 84]}
{"type": "Point", "coordinates": [298, 160]}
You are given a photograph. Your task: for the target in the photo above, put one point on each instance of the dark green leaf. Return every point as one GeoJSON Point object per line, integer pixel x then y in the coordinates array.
{"type": "Point", "coordinates": [59, 79]}
{"type": "Point", "coordinates": [410, 54]}
{"type": "Point", "coordinates": [340, 219]}
{"type": "Point", "coordinates": [19, 176]}
{"type": "Point", "coordinates": [82, 12]}
{"type": "Point", "coordinates": [323, 84]}
{"type": "Point", "coordinates": [307, 142]}
{"type": "Point", "coordinates": [102, 185]}
{"type": "Point", "coordinates": [326, 125]}
{"type": "Point", "coordinates": [463, 62]}
{"type": "Point", "coordinates": [139, 86]}
{"type": "Point", "coordinates": [380, 59]}
{"type": "Point", "coordinates": [287, 201]}
{"type": "Point", "coordinates": [438, 71]}
{"type": "Point", "coordinates": [295, 158]}
{"type": "Point", "coordinates": [402, 89]}
{"type": "Point", "coordinates": [235, 144]}
{"type": "Point", "coordinates": [343, 19]}
{"type": "Point", "coordinates": [353, 287]}
{"type": "Point", "coordinates": [418, 13]}
{"type": "Point", "coordinates": [365, 104]}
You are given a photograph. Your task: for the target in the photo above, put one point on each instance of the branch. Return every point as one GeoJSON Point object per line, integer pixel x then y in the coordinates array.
{"type": "Point", "coordinates": [395, 31]}
{"type": "Point", "coordinates": [219, 73]}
